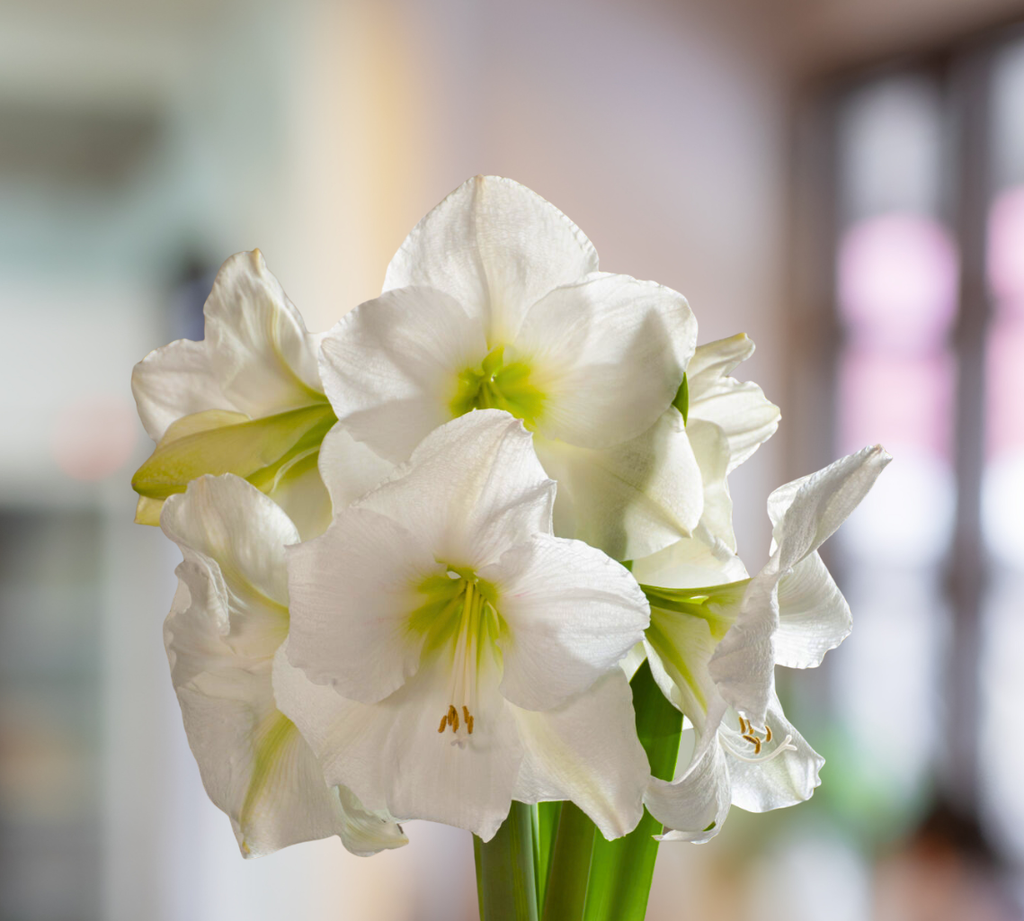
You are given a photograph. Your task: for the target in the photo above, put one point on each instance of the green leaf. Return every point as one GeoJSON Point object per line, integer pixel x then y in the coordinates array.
{"type": "Point", "coordinates": [682, 400]}
{"type": "Point", "coordinates": [505, 872]}
{"type": "Point", "coordinates": [621, 870]}
{"type": "Point", "coordinates": [566, 892]}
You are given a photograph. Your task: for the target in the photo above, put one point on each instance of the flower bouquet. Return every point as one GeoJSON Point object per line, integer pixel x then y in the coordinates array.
{"type": "Point", "coordinates": [468, 557]}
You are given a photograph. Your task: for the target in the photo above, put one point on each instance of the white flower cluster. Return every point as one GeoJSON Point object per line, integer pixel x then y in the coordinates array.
{"type": "Point", "coordinates": [403, 593]}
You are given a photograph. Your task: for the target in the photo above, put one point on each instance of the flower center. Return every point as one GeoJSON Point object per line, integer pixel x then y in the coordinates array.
{"type": "Point", "coordinates": [753, 741]}
{"type": "Point", "coordinates": [461, 625]}
{"type": "Point", "coordinates": [499, 384]}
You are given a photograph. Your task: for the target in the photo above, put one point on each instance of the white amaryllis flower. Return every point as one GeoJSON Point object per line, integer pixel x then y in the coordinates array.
{"type": "Point", "coordinates": [247, 400]}
{"type": "Point", "coordinates": [495, 301]}
{"type": "Point", "coordinates": [461, 655]}
{"type": "Point", "coordinates": [713, 651]}
{"type": "Point", "coordinates": [229, 617]}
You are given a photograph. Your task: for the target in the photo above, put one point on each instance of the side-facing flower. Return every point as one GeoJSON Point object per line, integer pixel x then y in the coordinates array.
{"type": "Point", "coordinates": [229, 616]}
{"type": "Point", "coordinates": [495, 301]}
{"type": "Point", "coordinates": [247, 400]}
{"type": "Point", "coordinates": [461, 656]}
{"type": "Point", "coordinates": [713, 652]}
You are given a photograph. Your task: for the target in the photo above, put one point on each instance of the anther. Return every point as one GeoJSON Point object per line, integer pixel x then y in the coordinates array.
{"type": "Point", "coordinates": [453, 717]}
{"type": "Point", "coordinates": [469, 724]}
{"type": "Point", "coordinates": [444, 723]}
{"type": "Point", "coordinates": [767, 733]}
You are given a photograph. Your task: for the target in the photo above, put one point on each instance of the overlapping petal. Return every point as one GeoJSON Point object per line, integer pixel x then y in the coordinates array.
{"type": "Point", "coordinates": [609, 353]}
{"type": "Point", "coordinates": [632, 499]}
{"type": "Point", "coordinates": [229, 616]}
{"type": "Point", "coordinates": [246, 400]}
{"type": "Point", "coordinates": [739, 409]}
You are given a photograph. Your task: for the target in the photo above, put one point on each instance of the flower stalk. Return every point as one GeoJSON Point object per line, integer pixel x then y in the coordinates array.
{"type": "Point", "coordinates": [506, 870]}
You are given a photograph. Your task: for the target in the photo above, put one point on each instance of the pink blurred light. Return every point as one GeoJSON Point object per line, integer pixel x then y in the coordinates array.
{"type": "Point", "coordinates": [94, 436]}
{"type": "Point", "coordinates": [1006, 250]}
{"type": "Point", "coordinates": [898, 277]}
{"type": "Point", "coordinates": [897, 400]}
{"type": "Point", "coordinates": [1005, 386]}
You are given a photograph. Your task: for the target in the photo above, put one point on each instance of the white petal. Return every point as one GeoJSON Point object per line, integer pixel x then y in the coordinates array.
{"type": "Point", "coordinates": [711, 449]}
{"type": "Point", "coordinates": [571, 615]}
{"type": "Point", "coordinates": [690, 563]}
{"type": "Point", "coordinates": [392, 756]}
{"type": "Point", "coordinates": [350, 468]}
{"type": "Point", "coordinates": [390, 367]}
{"type": "Point", "coordinates": [634, 659]}
{"type": "Point", "coordinates": [304, 498]}
{"type": "Point", "coordinates": [739, 409]}
{"type": "Point", "coordinates": [257, 768]}
{"type": "Point", "coordinates": [352, 592]}
{"type": "Point", "coordinates": [806, 512]}
{"type": "Point", "coordinates": [694, 807]}
{"type": "Point", "coordinates": [472, 489]}
{"type": "Point", "coordinates": [785, 780]}
{"type": "Point", "coordinates": [497, 248]}
{"type": "Point", "coordinates": [629, 500]}
{"type": "Point", "coordinates": [232, 538]}
{"type": "Point", "coordinates": [587, 751]}
{"type": "Point", "coordinates": [256, 358]}
{"type": "Point", "coordinates": [608, 352]}
{"type": "Point", "coordinates": [743, 665]}
{"type": "Point", "coordinates": [813, 615]}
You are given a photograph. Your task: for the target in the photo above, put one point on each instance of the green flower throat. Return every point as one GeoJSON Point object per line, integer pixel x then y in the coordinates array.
{"type": "Point", "coordinates": [497, 384]}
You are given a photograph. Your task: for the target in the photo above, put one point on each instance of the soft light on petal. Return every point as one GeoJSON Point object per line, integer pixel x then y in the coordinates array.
{"type": "Point", "coordinates": [776, 782]}
{"type": "Point", "coordinates": [571, 615]}
{"type": "Point", "coordinates": [813, 615]}
{"type": "Point", "coordinates": [632, 499]}
{"type": "Point", "coordinates": [587, 751]}
{"type": "Point", "coordinates": [497, 248]}
{"type": "Point", "coordinates": [738, 408]}
{"type": "Point", "coordinates": [391, 366]}
{"type": "Point", "coordinates": [609, 354]}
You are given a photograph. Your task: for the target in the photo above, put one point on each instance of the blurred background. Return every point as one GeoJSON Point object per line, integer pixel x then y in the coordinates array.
{"type": "Point", "coordinates": [841, 179]}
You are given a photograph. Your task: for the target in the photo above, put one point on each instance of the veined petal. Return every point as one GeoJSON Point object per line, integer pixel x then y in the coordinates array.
{"type": "Point", "coordinates": [232, 538]}
{"type": "Point", "coordinates": [352, 592]}
{"type": "Point", "coordinates": [471, 489]}
{"type": "Point", "coordinates": [813, 615]}
{"type": "Point", "coordinates": [257, 357]}
{"type": "Point", "coordinates": [391, 366]}
{"type": "Point", "coordinates": [350, 468]}
{"type": "Point", "coordinates": [609, 353]}
{"type": "Point", "coordinates": [738, 408]}
{"type": "Point", "coordinates": [587, 751]}
{"type": "Point", "coordinates": [694, 807]}
{"type": "Point", "coordinates": [806, 512]}
{"type": "Point", "coordinates": [571, 614]}
{"type": "Point", "coordinates": [743, 665]}
{"type": "Point", "coordinates": [392, 755]}
{"type": "Point", "coordinates": [497, 248]}
{"type": "Point", "coordinates": [775, 782]}
{"type": "Point", "coordinates": [629, 500]}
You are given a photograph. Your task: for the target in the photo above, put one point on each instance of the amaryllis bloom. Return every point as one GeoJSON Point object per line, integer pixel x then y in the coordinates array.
{"type": "Point", "coordinates": [229, 617]}
{"type": "Point", "coordinates": [495, 301]}
{"type": "Point", "coordinates": [447, 654]}
{"type": "Point", "coordinates": [246, 400]}
{"type": "Point", "coordinates": [713, 650]}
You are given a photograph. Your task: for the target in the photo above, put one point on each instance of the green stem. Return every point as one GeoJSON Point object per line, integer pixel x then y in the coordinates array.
{"type": "Point", "coordinates": [566, 893]}
{"type": "Point", "coordinates": [548, 815]}
{"type": "Point", "coordinates": [621, 871]}
{"type": "Point", "coordinates": [505, 871]}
